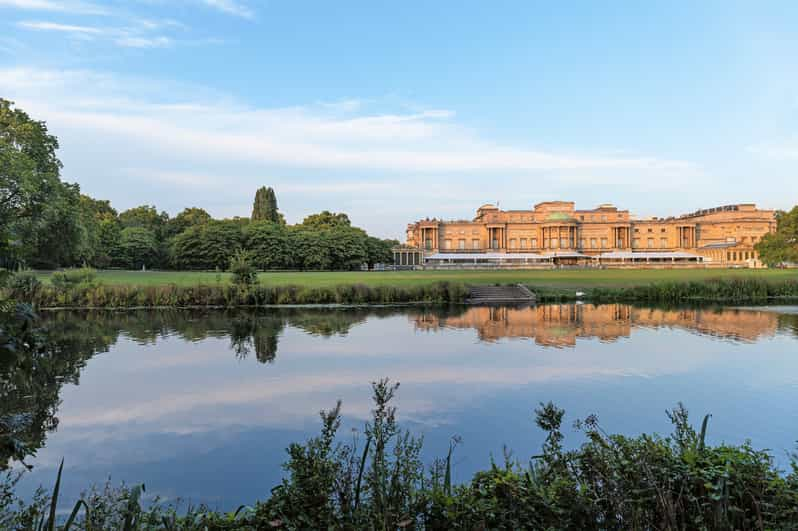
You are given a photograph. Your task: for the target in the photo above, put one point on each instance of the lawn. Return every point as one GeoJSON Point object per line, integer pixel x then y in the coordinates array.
{"type": "Point", "coordinates": [572, 278]}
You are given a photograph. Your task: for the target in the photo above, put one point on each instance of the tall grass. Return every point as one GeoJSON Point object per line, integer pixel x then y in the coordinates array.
{"type": "Point", "coordinates": [226, 295]}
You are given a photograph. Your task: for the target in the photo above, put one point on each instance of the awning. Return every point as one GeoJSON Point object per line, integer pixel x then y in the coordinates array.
{"type": "Point", "coordinates": [486, 256]}
{"type": "Point", "coordinates": [648, 255]}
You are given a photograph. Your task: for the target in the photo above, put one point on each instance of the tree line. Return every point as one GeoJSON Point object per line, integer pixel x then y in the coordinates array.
{"type": "Point", "coordinates": [48, 223]}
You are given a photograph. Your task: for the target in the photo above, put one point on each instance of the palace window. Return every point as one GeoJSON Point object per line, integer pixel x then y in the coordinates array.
{"type": "Point", "coordinates": [604, 243]}
{"type": "Point", "coordinates": [461, 243]}
{"type": "Point", "coordinates": [728, 257]}
{"type": "Point", "coordinates": [512, 243]}
{"type": "Point", "coordinates": [523, 243]}
{"type": "Point", "coordinates": [534, 243]}
{"type": "Point", "coordinates": [429, 244]}
{"type": "Point", "coordinates": [584, 243]}
{"type": "Point", "coordinates": [637, 230]}
{"type": "Point", "coordinates": [650, 243]}
{"type": "Point", "coordinates": [448, 244]}
{"type": "Point", "coordinates": [495, 244]}
{"type": "Point", "coordinates": [663, 242]}
{"type": "Point", "coordinates": [592, 243]}
{"type": "Point", "coordinates": [636, 242]}
{"type": "Point", "coordinates": [475, 243]}
{"type": "Point", "coordinates": [650, 230]}
{"type": "Point", "coordinates": [563, 242]}
{"type": "Point", "coordinates": [662, 229]}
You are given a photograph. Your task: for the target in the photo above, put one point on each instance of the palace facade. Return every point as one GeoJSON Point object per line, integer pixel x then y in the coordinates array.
{"type": "Point", "coordinates": [557, 232]}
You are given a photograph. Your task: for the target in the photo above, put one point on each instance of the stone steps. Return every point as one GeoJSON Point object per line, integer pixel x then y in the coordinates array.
{"type": "Point", "coordinates": [500, 294]}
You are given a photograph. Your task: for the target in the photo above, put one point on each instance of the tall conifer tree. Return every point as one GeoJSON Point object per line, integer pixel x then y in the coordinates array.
{"type": "Point", "coordinates": [265, 206]}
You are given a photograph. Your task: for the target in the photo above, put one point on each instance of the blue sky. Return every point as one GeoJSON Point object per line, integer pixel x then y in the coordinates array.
{"type": "Point", "coordinates": [396, 111]}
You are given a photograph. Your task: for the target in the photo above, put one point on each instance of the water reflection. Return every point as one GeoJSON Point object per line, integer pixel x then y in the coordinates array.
{"type": "Point", "coordinates": [180, 399]}
{"type": "Point", "coordinates": [560, 325]}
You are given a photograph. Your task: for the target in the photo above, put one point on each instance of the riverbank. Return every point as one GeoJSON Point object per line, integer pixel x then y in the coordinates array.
{"type": "Point", "coordinates": [567, 279]}
{"type": "Point", "coordinates": [100, 296]}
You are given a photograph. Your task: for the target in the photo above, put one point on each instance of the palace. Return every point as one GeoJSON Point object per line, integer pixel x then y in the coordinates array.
{"type": "Point", "coordinates": [555, 233]}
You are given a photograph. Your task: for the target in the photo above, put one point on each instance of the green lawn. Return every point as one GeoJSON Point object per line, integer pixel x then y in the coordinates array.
{"type": "Point", "coordinates": [580, 278]}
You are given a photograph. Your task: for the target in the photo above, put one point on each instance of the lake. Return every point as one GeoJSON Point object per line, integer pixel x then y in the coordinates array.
{"type": "Point", "coordinates": [202, 404]}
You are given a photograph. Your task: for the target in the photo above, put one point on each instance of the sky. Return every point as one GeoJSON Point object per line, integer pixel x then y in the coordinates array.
{"type": "Point", "coordinates": [396, 111]}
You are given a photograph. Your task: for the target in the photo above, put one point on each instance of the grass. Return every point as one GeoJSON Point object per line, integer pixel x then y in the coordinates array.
{"type": "Point", "coordinates": [556, 279]}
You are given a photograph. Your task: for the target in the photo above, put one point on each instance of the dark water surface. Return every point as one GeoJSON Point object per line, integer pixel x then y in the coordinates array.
{"type": "Point", "coordinates": [201, 405]}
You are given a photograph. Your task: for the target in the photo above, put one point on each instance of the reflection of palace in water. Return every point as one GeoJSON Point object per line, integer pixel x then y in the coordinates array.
{"type": "Point", "coordinates": [560, 325]}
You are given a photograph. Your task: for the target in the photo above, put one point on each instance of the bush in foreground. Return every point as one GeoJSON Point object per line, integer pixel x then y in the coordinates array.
{"type": "Point", "coordinates": [379, 482]}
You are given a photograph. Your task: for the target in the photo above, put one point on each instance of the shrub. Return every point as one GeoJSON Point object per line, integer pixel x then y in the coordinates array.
{"type": "Point", "coordinates": [84, 277]}
{"type": "Point", "coordinates": [24, 285]}
{"type": "Point", "coordinates": [244, 273]}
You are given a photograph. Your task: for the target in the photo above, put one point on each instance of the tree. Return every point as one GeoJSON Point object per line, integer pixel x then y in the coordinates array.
{"type": "Point", "coordinates": [327, 220]}
{"type": "Point", "coordinates": [189, 217]}
{"type": "Point", "coordinates": [207, 246]}
{"type": "Point", "coordinates": [29, 175]}
{"type": "Point", "coordinates": [100, 231]}
{"type": "Point", "coordinates": [380, 251]}
{"type": "Point", "coordinates": [269, 244]}
{"type": "Point", "coordinates": [781, 246]}
{"type": "Point", "coordinates": [265, 206]}
{"type": "Point", "coordinates": [137, 247]}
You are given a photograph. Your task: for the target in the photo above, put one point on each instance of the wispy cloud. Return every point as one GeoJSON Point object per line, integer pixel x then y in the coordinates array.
{"type": "Point", "coordinates": [231, 7]}
{"type": "Point", "coordinates": [202, 142]}
{"type": "Point", "coordinates": [138, 35]}
{"type": "Point", "coordinates": [65, 28]}
{"type": "Point", "coordinates": [80, 8]}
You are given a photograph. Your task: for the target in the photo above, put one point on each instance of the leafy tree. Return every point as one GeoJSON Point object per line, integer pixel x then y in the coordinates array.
{"type": "Point", "coordinates": [327, 220]}
{"type": "Point", "coordinates": [348, 249]}
{"type": "Point", "coordinates": [99, 221]}
{"type": "Point", "coordinates": [269, 244]}
{"type": "Point", "coordinates": [207, 246]}
{"type": "Point", "coordinates": [379, 251]}
{"type": "Point", "coordinates": [145, 216]}
{"type": "Point", "coordinates": [137, 247]}
{"type": "Point", "coordinates": [310, 249]}
{"type": "Point", "coordinates": [56, 236]}
{"type": "Point", "coordinates": [244, 273]}
{"type": "Point", "coordinates": [29, 174]}
{"type": "Point", "coordinates": [189, 217]}
{"type": "Point", "coordinates": [781, 246]}
{"type": "Point", "coordinates": [265, 206]}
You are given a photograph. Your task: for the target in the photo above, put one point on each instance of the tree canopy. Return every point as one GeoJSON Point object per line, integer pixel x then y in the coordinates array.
{"type": "Point", "coordinates": [265, 206]}
{"type": "Point", "coordinates": [781, 246]}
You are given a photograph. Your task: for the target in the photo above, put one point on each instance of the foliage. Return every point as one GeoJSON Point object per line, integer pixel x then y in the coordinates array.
{"type": "Point", "coordinates": [718, 290]}
{"type": "Point", "coordinates": [24, 285]}
{"type": "Point", "coordinates": [244, 274]}
{"type": "Point", "coordinates": [327, 220]}
{"type": "Point", "coordinates": [264, 207]}
{"type": "Point", "coordinates": [207, 246]}
{"type": "Point", "coordinates": [189, 217]}
{"type": "Point", "coordinates": [269, 244]}
{"type": "Point", "coordinates": [138, 246]}
{"type": "Point", "coordinates": [782, 246]}
{"type": "Point", "coordinates": [84, 277]}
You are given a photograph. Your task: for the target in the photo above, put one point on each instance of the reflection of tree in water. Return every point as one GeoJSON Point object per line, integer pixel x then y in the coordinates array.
{"type": "Point", "coordinates": [789, 322]}
{"type": "Point", "coordinates": [34, 365]}
{"type": "Point", "coordinates": [31, 380]}
{"type": "Point", "coordinates": [258, 333]}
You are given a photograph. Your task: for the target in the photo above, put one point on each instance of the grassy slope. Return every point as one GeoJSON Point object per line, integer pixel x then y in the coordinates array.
{"type": "Point", "coordinates": [546, 278]}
